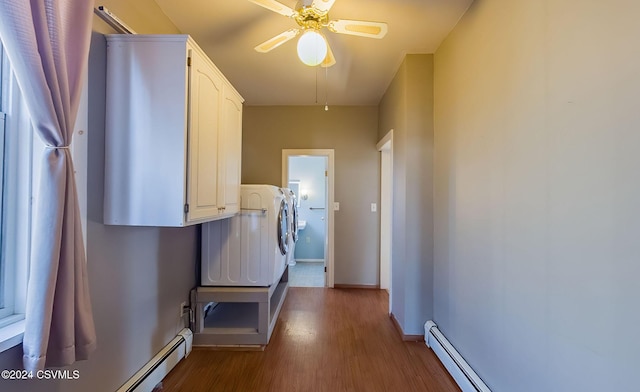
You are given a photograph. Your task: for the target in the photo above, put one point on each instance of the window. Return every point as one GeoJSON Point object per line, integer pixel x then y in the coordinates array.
{"type": "Point", "coordinates": [6, 291]}
{"type": "Point", "coordinates": [16, 184]}
{"type": "Point", "coordinates": [20, 153]}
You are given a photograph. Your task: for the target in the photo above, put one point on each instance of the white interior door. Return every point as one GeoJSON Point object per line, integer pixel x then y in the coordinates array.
{"type": "Point", "coordinates": [328, 205]}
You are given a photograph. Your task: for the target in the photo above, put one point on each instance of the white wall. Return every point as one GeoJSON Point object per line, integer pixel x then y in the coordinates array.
{"type": "Point", "coordinates": [537, 212]}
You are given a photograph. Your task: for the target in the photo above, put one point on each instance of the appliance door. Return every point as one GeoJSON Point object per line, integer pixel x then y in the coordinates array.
{"type": "Point", "coordinates": [294, 224]}
{"type": "Point", "coordinates": [283, 227]}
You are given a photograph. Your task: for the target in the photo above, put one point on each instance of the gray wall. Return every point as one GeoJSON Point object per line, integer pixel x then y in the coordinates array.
{"type": "Point", "coordinates": [138, 276]}
{"type": "Point", "coordinates": [352, 132]}
{"type": "Point", "coordinates": [407, 108]}
{"type": "Point", "coordinates": [537, 212]}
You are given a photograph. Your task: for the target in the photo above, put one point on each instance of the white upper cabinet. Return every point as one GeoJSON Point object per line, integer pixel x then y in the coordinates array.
{"type": "Point", "coordinates": [231, 152]}
{"type": "Point", "coordinates": [173, 135]}
{"type": "Point", "coordinates": [204, 143]}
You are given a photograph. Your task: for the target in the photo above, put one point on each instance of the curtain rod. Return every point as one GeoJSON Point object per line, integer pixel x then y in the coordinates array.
{"type": "Point", "coordinates": [113, 20]}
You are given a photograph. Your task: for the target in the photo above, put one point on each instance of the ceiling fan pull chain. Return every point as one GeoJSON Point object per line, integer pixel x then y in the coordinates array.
{"type": "Point", "coordinates": [326, 89]}
{"type": "Point", "coordinates": [316, 85]}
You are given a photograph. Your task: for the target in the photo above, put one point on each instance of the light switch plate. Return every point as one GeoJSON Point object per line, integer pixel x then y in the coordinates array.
{"type": "Point", "coordinates": [374, 207]}
{"type": "Point", "coordinates": [336, 206]}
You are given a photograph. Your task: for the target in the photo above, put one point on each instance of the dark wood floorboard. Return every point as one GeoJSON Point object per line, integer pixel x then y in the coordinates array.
{"type": "Point", "coordinates": [325, 340]}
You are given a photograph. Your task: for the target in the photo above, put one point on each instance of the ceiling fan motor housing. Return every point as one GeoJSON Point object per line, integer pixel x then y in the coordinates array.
{"type": "Point", "coordinates": [310, 18]}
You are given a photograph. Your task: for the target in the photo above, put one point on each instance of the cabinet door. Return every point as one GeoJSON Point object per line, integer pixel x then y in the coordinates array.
{"type": "Point", "coordinates": [205, 103]}
{"type": "Point", "coordinates": [230, 153]}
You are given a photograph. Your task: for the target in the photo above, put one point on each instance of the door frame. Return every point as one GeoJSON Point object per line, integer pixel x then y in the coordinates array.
{"type": "Point", "coordinates": [386, 144]}
{"type": "Point", "coordinates": [329, 154]}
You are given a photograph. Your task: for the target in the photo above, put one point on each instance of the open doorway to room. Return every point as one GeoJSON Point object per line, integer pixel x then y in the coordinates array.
{"type": "Point", "coordinates": [385, 146]}
{"type": "Point", "coordinates": [309, 174]}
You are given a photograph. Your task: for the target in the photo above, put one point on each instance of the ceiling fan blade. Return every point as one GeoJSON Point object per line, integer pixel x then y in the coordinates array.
{"type": "Point", "coordinates": [275, 6]}
{"type": "Point", "coordinates": [323, 5]}
{"type": "Point", "coordinates": [329, 60]}
{"type": "Point", "coordinates": [276, 41]}
{"type": "Point", "coordinates": [358, 27]}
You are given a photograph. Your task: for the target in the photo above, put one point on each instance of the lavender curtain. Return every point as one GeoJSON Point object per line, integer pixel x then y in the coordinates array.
{"type": "Point", "coordinates": [47, 42]}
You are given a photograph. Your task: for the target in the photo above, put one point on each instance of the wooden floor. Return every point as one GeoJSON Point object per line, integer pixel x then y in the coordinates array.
{"type": "Point", "coordinates": [325, 340]}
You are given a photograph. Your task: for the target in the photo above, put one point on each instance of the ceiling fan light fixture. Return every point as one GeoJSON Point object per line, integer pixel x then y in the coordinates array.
{"type": "Point", "coordinates": [312, 48]}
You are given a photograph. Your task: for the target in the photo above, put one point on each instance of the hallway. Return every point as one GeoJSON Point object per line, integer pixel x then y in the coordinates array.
{"type": "Point", "coordinates": [325, 340]}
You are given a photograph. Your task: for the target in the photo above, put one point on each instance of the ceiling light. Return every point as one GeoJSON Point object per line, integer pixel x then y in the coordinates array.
{"type": "Point", "coordinates": [312, 48]}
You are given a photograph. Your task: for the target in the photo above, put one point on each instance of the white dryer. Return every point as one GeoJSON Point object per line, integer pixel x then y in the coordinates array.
{"type": "Point", "coordinates": [292, 202]}
{"type": "Point", "coordinates": [249, 249]}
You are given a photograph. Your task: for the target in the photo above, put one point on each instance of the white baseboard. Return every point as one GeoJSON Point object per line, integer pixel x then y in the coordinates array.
{"type": "Point", "coordinates": [161, 364]}
{"type": "Point", "coordinates": [309, 260]}
{"type": "Point", "coordinates": [466, 378]}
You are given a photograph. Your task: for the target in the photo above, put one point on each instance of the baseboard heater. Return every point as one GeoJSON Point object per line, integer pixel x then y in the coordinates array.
{"type": "Point", "coordinates": [161, 364]}
{"type": "Point", "coordinates": [466, 378]}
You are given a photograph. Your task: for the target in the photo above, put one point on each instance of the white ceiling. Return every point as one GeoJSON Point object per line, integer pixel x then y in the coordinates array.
{"type": "Point", "coordinates": [228, 30]}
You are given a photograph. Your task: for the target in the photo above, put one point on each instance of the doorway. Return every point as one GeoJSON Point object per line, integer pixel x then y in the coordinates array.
{"type": "Point", "coordinates": [385, 146]}
{"type": "Point", "coordinates": [311, 173]}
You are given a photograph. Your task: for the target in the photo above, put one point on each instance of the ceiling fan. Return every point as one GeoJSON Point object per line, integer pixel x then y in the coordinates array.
{"type": "Point", "coordinates": [313, 48]}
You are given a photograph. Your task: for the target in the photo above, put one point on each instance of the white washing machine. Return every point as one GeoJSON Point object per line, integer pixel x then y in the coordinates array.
{"type": "Point", "coordinates": [249, 249]}
{"type": "Point", "coordinates": [292, 202]}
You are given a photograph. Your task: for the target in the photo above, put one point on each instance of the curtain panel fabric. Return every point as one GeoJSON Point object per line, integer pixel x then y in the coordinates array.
{"type": "Point", "coordinates": [47, 42]}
